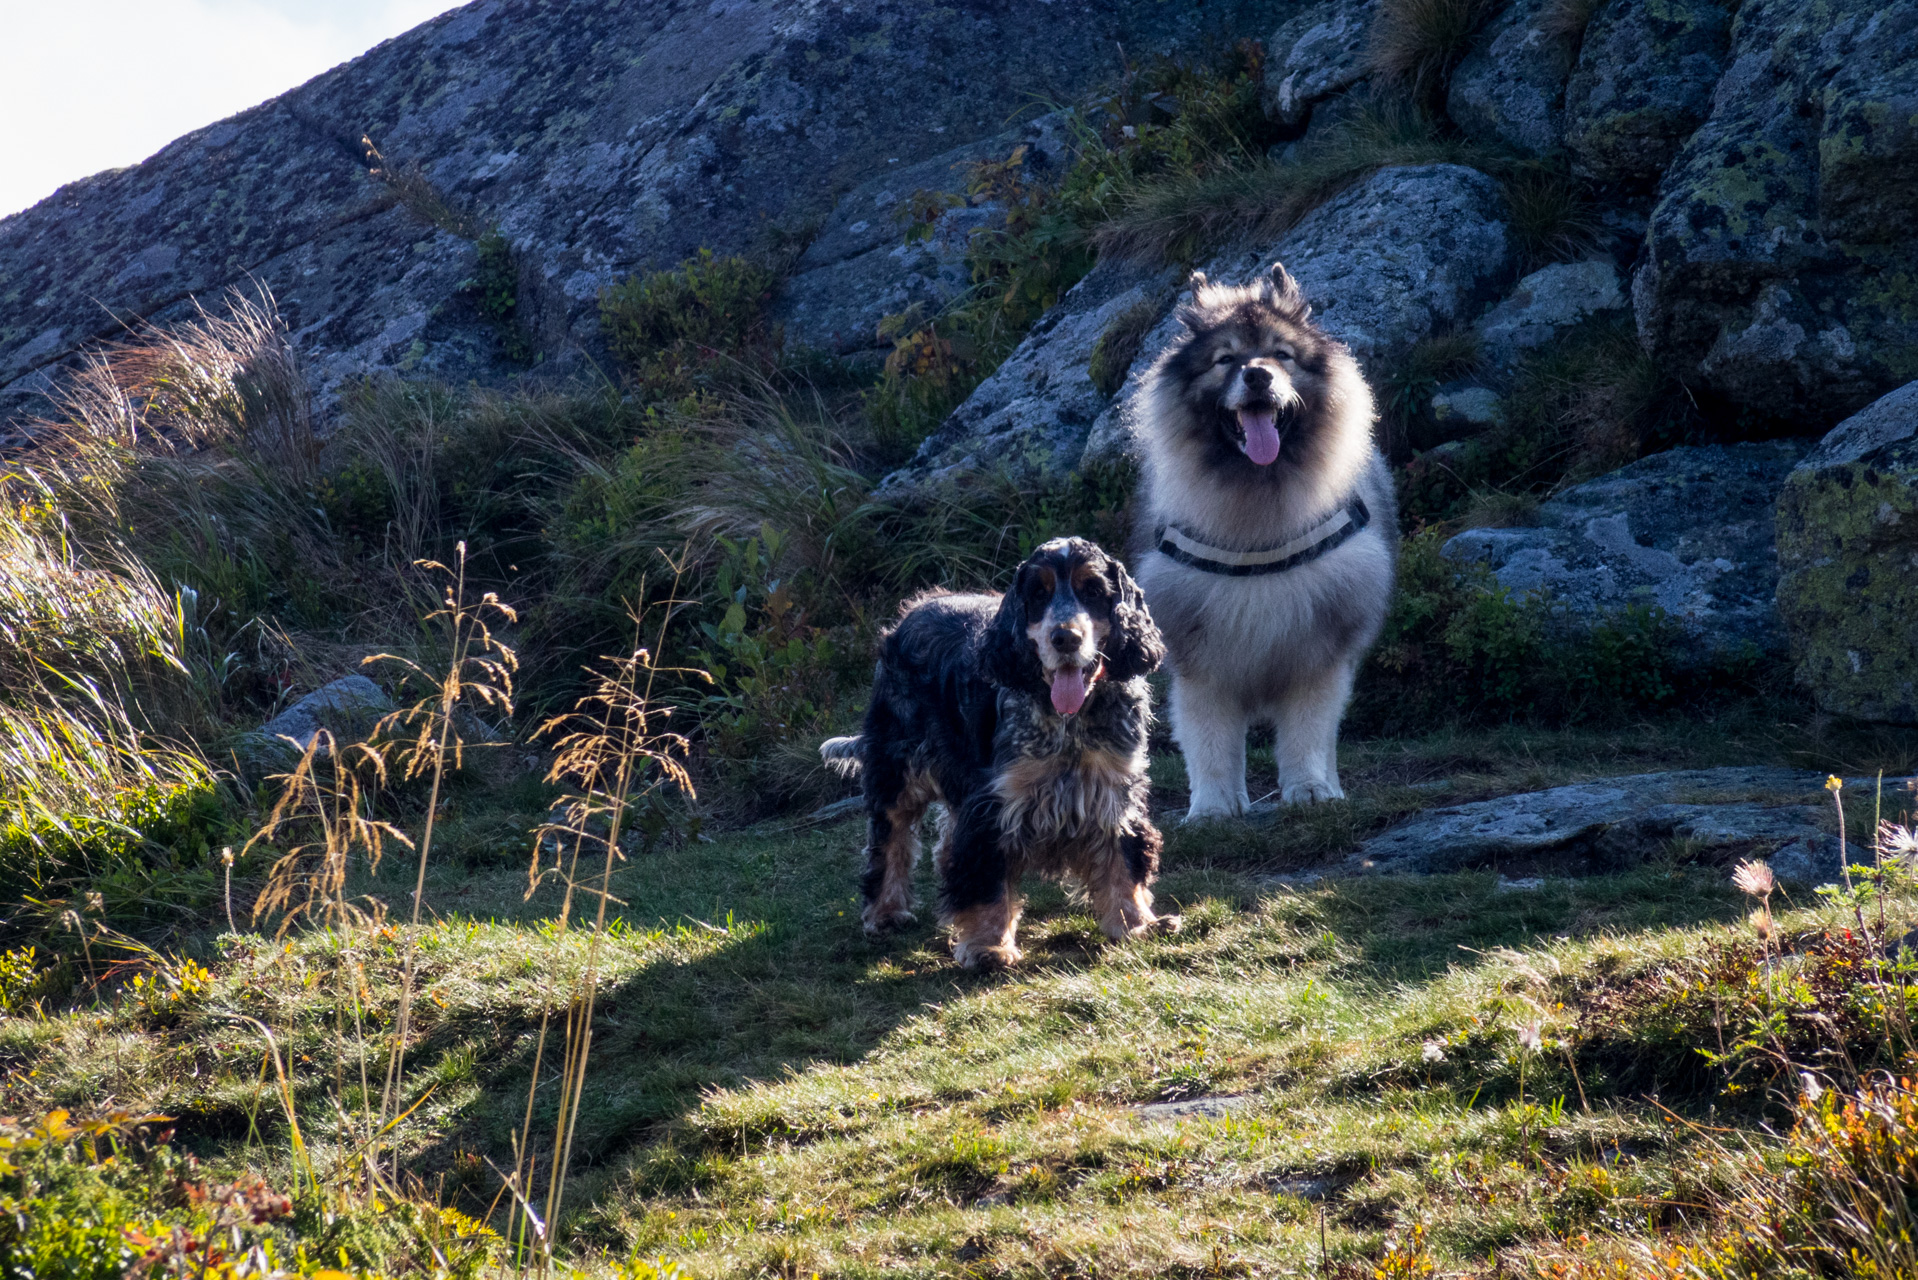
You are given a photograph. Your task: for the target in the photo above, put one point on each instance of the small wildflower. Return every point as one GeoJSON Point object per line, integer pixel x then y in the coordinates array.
{"type": "Point", "coordinates": [1897, 841]}
{"type": "Point", "coordinates": [1432, 1051]}
{"type": "Point", "coordinates": [1761, 923]}
{"type": "Point", "coordinates": [1753, 877]}
{"type": "Point", "coordinates": [1809, 1083]}
{"type": "Point", "coordinates": [1834, 783]}
{"type": "Point", "coordinates": [1531, 1037]}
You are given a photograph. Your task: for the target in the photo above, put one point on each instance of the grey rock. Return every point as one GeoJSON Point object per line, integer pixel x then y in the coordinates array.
{"type": "Point", "coordinates": [1547, 302]}
{"type": "Point", "coordinates": [1465, 409]}
{"type": "Point", "coordinates": [1314, 54]}
{"type": "Point", "coordinates": [1032, 416]}
{"type": "Point", "coordinates": [347, 708]}
{"type": "Point", "coordinates": [1208, 1108]}
{"type": "Point", "coordinates": [1778, 260]}
{"type": "Point", "coordinates": [1520, 884]}
{"type": "Point", "coordinates": [1410, 249]}
{"type": "Point", "coordinates": [1848, 563]}
{"type": "Point", "coordinates": [601, 138]}
{"type": "Point", "coordinates": [1643, 84]}
{"type": "Point", "coordinates": [858, 269]}
{"type": "Point", "coordinates": [1511, 88]}
{"type": "Point", "coordinates": [1812, 861]}
{"type": "Point", "coordinates": [1613, 822]}
{"type": "Point", "coordinates": [1886, 420]}
{"type": "Point", "coordinates": [1689, 530]}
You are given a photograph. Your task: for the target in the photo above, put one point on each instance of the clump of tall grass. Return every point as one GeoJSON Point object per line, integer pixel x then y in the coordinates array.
{"type": "Point", "coordinates": [1183, 215]}
{"type": "Point", "coordinates": [1414, 44]}
{"type": "Point", "coordinates": [1550, 217]}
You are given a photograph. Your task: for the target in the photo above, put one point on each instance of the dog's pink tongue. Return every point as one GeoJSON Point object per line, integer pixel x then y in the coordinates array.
{"type": "Point", "coordinates": [1068, 690]}
{"type": "Point", "coordinates": [1261, 435]}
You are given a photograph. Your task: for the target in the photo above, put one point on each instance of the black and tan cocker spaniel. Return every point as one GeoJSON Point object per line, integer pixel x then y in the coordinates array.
{"type": "Point", "coordinates": [1026, 714]}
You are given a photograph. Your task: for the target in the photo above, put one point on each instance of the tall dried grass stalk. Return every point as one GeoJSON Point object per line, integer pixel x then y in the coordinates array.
{"type": "Point", "coordinates": [480, 668]}
{"type": "Point", "coordinates": [611, 751]}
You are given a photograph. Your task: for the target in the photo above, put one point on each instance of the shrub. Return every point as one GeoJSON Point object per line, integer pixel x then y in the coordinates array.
{"type": "Point", "coordinates": [667, 327]}
{"type": "Point", "coordinates": [1457, 646]}
{"type": "Point", "coordinates": [494, 288]}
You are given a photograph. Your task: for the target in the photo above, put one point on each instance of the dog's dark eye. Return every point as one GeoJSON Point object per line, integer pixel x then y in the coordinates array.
{"type": "Point", "coordinates": [1226, 358]}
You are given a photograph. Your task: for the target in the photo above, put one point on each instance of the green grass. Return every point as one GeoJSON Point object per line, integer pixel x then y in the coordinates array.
{"type": "Point", "coordinates": [771, 1091]}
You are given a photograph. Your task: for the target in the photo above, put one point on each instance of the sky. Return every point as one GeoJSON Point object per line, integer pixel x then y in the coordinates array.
{"type": "Point", "coordinates": [87, 85]}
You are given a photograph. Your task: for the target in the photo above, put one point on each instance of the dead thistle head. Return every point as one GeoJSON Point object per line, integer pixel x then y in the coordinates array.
{"type": "Point", "coordinates": [1753, 877]}
{"type": "Point", "coordinates": [1762, 924]}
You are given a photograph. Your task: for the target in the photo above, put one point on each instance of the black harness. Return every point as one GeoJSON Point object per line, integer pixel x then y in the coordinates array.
{"type": "Point", "coordinates": [1329, 534]}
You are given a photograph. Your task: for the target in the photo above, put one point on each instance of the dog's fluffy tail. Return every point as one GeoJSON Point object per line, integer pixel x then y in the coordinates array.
{"type": "Point", "coordinates": [844, 756]}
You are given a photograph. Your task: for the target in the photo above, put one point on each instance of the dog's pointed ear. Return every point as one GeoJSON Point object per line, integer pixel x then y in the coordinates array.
{"type": "Point", "coordinates": [1286, 294]}
{"type": "Point", "coordinates": [1136, 647]}
{"type": "Point", "coordinates": [1007, 649]}
{"type": "Point", "coordinates": [1196, 281]}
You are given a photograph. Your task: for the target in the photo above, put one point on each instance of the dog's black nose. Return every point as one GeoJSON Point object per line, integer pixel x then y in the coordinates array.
{"type": "Point", "coordinates": [1256, 378]}
{"type": "Point", "coordinates": [1066, 639]}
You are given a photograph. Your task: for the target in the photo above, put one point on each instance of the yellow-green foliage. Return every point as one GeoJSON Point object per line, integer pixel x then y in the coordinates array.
{"type": "Point", "coordinates": [665, 326]}
{"type": "Point", "coordinates": [1457, 644]}
{"type": "Point", "coordinates": [1119, 344]}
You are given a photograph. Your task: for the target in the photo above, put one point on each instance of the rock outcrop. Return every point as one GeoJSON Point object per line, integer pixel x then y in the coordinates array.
{"type": "Point", "coordinates": [1511, 88]}
{"type": "Point", "coordinates": [1546, 303]}
{"type": "Point", "coordinates": [1848, 560]}
{"type": "Point", "coordinates": [1646, 70]}
{"type": "Point", "coordinates": [600, 139]}
{"type": "Point", "coordinates": [1779, 265]}
{"type": "Point", "coordinates": [859, 269]}
{"type": "Point", "coordinates": [1032, 416]}
{"type": "Point", "coordinates": [1316, 53]}
{"type": "Point", "coordinates": [1778, 814]}
{"type": "Point", "coordinates": [1689, 531]}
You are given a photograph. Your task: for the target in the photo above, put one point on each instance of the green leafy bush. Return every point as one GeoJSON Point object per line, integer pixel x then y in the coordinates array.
{"type": "Point", "coordinates": [1457, 646]}
{"type": "Point", "coordinates": [666, 327]}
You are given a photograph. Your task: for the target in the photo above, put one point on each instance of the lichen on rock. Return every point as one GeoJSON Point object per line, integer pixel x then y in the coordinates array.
{"type": "Point", "coordinates": [1848, 561]}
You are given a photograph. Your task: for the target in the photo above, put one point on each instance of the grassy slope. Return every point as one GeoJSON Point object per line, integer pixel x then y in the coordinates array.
{"type": "Point", "coordinates": [769, 1089]}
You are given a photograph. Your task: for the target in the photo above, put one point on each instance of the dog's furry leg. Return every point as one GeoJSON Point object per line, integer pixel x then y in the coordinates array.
{"type": "Point", "coordinates": [1210, 726]}
{"type": "Point", "coordinates": [979, 896]}
{"type": "Point", "coordinates": [1307, 729]}
{"type": "Point", "coordinates": [894, 806]}
{"type": "Point", "coordinates": [1118, 878]}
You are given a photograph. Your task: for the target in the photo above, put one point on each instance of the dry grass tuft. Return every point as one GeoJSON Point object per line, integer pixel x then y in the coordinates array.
{"type": "Point", "coordinates": [1414, 44]}
{"type": "Point", "coordinates": [1182, 217]}
{"type": "Point", "coordinates": [1551, 218]}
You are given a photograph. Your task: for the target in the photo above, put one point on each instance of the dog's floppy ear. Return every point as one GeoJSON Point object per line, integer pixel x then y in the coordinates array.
{"type": "Point", "coordinates": [1008, 649]}
{"type": "Point", "coordinates": [1286, 294]}
{"type": "Point", "coordinates": [1135, 647]}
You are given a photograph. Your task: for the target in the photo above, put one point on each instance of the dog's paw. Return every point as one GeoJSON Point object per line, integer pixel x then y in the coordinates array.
{"type": "Point", "coordinates": [1214, 811]}
{"type": "Point", "coordinates": [1159, 926]}
{"type": "Point", "coordinates": [984, 959]}
{"type": "Point", "coordinates": [1311, 791]}
{"type": "Point", "coordinates": [880, 923]}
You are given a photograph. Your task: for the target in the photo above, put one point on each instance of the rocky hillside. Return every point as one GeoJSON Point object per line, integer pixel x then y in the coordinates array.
{"type": "Point", "coordinates": [597, 139]}
{"type": "Point", "coordinates": [1562, 235]}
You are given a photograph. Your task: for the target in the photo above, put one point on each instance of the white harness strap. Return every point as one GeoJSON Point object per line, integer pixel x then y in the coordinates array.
{"type": "Point", "coordinates": [1329, 533]}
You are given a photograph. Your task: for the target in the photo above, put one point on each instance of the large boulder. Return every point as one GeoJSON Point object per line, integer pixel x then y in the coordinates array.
{"type": "Point", "coordinates": [1546, 303]}
{"type": "Point", "coordinates": [1510, 89]}
{"type": "Point", "coordinates": [1779, 265]}
{"type": "Point", "coordinates": [1643, 85]}
{"type": "Point", "coordinates": [1689, 531]}
{"type": "Point", "coordinates": [347, 708]}
{"type": "Point", "coordinates": [1317, 53]}
{"type": "Point", "coordinates": [1848, 561]}
{"type": "Point", "coordinates": [1031, 417]}
{"type": "Point", "coordinates": [601, 139]}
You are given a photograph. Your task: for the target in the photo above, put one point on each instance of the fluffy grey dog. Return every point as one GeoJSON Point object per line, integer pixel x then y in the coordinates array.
{"type": "Point", "coordinates": [1269, 535]}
